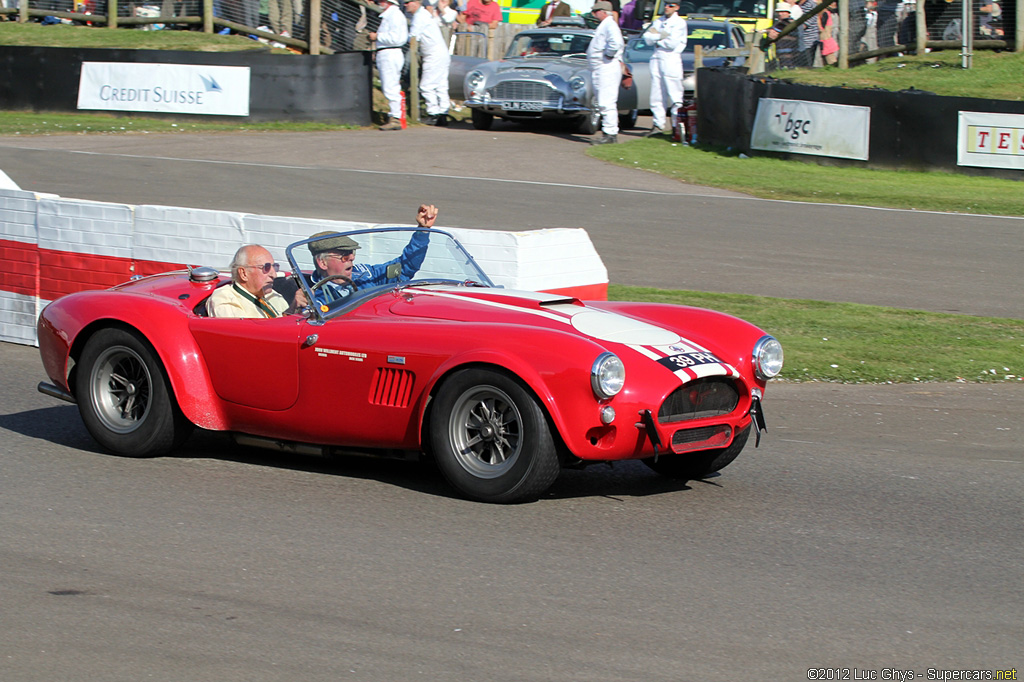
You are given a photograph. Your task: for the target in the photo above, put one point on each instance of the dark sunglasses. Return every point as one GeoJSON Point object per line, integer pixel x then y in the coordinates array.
{"type": "Point", "coordinates": [266, 267]}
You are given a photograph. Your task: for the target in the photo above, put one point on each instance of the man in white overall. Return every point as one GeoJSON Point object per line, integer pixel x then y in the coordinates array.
{"type": "Point", "coordinates": [436, 61]}
{"type": "Point", "coordinates": [667, 34]}
{"type": "Point", "coordinates": [604, 55]}
{"type": "Point", "coordinates": [391, 36]}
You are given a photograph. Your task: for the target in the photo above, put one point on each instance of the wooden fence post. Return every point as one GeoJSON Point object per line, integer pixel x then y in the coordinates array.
{"type": "Point", "coordinates": [922, 28]}
{"type": "Point", "coordinates": [844, 34]}
{"type": "Point", "coordinates": [414, 81]}
{"type": "Point", "coordinates": [111, 12]}
{"type": "Point", "coordinates": [315, 22]}
{"type": "Point", "coordinates": [207, 16]}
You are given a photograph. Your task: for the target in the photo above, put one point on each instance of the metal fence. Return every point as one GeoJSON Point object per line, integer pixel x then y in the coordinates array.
{"type": "Point", "coordinates": [846, 32]}
{"type": "Point", "coordinates": [841, 32]}
{"type": "Point", "coordinates": [337, 25]}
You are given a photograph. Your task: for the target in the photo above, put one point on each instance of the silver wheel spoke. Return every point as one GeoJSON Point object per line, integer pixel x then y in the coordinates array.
{"type": "Point", "coordinates": [486, 431]}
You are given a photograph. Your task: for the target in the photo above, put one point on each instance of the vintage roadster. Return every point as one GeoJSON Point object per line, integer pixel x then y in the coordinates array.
{"type": "Point", "coordinates": [544, 75]}
{"type": "Point", "coordinates": [502, 388]}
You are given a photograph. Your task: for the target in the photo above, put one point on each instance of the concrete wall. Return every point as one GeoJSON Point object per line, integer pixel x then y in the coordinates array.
{"type": "Point", "coordinates": [52, 246]}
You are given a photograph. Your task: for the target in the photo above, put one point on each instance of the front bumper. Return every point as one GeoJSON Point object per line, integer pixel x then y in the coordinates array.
{"type": "Point", "coordinates": [543, 110]}
{"type": "Point", "coordinates": [526, 99]}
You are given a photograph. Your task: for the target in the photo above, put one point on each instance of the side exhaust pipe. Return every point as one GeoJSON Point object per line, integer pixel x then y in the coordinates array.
{"type": "Point", "coordinates": [55, 392]}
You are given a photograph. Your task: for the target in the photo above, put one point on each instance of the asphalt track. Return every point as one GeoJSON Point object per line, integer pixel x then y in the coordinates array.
{"type": "Point", "coordinates": [877, 529]}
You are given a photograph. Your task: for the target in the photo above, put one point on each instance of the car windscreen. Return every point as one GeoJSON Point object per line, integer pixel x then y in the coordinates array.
{"type": "Point", "coordinates": [710, 38]}
{"type": "Point", "coordinates": [548, 44]}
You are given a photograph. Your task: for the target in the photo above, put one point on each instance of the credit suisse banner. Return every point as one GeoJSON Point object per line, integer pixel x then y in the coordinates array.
{"type": "Point", "coordinates": [818, 128]}
{"type": "Point", "coordinates": [166, 88]}
{"type": "Point", "coordinates": [990, 140]}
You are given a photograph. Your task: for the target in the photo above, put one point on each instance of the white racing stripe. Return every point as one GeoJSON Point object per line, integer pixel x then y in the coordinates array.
{"type": "Point", "coordinates": [564, 313]}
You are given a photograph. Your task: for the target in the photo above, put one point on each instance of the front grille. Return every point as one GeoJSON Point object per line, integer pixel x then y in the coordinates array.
{"type": "Point", "coordinates": [709, 397]}
{"type": "Point", "coordinates": [391, 387]}
{"type": "Point", "coordinates": [524, 91]}
{"type": "Point", "coordinates": [701, 438]}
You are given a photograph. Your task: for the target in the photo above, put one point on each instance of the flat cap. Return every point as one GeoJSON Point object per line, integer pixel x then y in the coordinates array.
{"type": "Point", "coordinates": [602, 4]}
{"type": "Point", "coordinates": [332, 241]}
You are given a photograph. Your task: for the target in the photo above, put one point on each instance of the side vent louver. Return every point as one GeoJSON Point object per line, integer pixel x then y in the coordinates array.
{"type": "Point", "coordinates": [391, 387]}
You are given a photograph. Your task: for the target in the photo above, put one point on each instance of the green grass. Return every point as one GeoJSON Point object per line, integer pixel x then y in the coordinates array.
{"type": "Point", "coordinates": [853, 343]}
{"type": "Point", "coordinates": [994, 75]}
{"type": "Point", "coordinates": [774, 178]}
{"type": "Point", "coordinates": [66, 35]}
{"type": "Point", "coordinates": [29, 123]}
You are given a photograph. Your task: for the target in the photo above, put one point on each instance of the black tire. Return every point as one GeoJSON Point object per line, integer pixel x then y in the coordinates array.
{"type": "Point", "coordinates": [695, 465]}
{"type": "Point", "coordinates": [481, 119]}
{"type": "Point", "coordinates": [589, 124]}
{"type": "Point", "coordinates": [628, 121]}
{"type": "Point", "coordinates": [124, 397]}
{"type": "Point", "coordinates": [491, 439]}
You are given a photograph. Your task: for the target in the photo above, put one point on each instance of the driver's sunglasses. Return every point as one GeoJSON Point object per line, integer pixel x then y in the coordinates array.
{"type": "Point", "coordinates": [266, 267]}
{"type": "Point", "coordinates": [343, 256]}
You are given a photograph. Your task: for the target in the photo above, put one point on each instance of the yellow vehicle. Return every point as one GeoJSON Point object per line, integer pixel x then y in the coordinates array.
{"type": "Point", "coordinates": [520, 11]}
{"type": "Point", "coordinates": [752, 15]}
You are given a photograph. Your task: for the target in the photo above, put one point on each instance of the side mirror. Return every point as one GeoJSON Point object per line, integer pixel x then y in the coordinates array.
{"type": "Point", "coordinates": [393, 271]}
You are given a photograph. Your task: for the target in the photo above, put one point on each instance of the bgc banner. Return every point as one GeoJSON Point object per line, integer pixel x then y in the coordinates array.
{"type": "Point", "coordinates": [990, 140]}
{"type": "Point", "coordinates": [166, 88]}
{"type": "Point", "coordinates": [818, 128]}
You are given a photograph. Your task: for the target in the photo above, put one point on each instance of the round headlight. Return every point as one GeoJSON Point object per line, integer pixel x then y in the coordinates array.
{"type": "Point", "coordinates": [474, 79]}
{"type": "Point", "coordinates": [767, 357]}
{"type": "Point", "coordinates": [607, 375]}
{"type": "Point", "coordinates": [578, 83]}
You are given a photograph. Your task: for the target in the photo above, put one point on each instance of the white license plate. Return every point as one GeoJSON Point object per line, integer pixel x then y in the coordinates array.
{"type": "Point", "coordinates": [522, 106]}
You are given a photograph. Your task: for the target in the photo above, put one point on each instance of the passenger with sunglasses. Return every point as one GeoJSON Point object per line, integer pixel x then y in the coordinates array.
{"type": "Point", "coordinates": [335, 255]}
{"type": "Point", "coordinates": [251, 293]}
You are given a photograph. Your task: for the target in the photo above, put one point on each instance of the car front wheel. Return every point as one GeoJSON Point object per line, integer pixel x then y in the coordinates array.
{"type": "Point", "coordinates": [695, 465]}
{"type": "Point", "coordinates": [590, 123]}
{"type": "Point", "coordinates": [491, 439]}
{"type": "Point", "coordinates": [481, 119]}
{"type": "Point", "coordinates": [124, 397]}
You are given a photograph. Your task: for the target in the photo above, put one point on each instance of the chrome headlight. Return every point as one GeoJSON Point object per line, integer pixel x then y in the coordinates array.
{"type": "Point", "coordinates": [607, 375]}
{"type": "Point", "coordinates": [474, 79]}
{"type": "Point", "coordinates": [578, 83]}
{"type": "Point", "coordinates": [767, 358]}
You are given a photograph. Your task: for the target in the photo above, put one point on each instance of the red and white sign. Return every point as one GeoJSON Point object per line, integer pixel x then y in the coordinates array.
{"type": "Point", "coordinates": [990, 140]}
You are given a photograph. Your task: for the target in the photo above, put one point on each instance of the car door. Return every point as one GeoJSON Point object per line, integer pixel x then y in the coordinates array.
{"type": "Point", "coordinates": [252, 362]}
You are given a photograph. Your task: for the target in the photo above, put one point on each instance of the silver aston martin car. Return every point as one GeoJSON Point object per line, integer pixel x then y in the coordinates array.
{"type": "Point", "coordinates": [544, 75]}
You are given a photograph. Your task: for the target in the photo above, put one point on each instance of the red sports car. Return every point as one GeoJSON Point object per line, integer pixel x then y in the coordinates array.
{"type": "Point", "coordinates": [502, 388]}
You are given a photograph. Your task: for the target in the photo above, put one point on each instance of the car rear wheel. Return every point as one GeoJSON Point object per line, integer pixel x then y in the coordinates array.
{"type": "Point", "coordinates": [694, 465]}
{"type": "Point", "coordinates": [481, 119]}
{"type": "Point", "coordinates": [628, 121]}
{"type": "Point", "coordinates": [491, 439]}
{"type": "Point", "coordinates": [124, 397]}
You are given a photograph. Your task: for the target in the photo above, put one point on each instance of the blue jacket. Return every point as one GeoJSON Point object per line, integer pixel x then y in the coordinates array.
{"type": "Point", "coordinates": [376, 274]}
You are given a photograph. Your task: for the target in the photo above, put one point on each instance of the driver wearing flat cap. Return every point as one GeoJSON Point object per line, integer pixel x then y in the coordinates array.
{"type": "Point", "coordinates": [334, 259]}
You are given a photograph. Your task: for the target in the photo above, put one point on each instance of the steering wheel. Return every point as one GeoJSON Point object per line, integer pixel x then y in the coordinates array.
{"type": "Point", "coordinates": [331, 278]}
